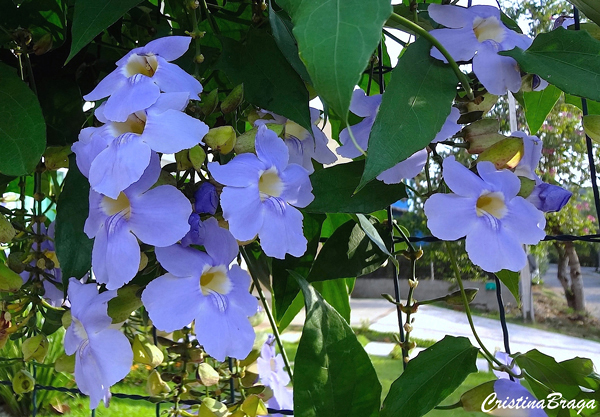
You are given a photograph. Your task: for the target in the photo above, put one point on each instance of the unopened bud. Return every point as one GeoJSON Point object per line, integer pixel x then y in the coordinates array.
{"type": "Point", "coordinates": [65, 363]}
{"type": "Point", "coordinates": [199, 59]}
{"type": "Point", "coordinates": [7, 231]}
{"type": "Point", "coordinates": [182, 160]}
{"type": "Point", "coordinates": [245, 142]}
{"type": "Point", "coordinates": [408, 328]}
{"type": "Point", "coordinates": [197, 156]}
{"type": "Point", "coordinates": [481, 135]}
{"type": "Point", "coordinates": [36, 347]}
{"type": "Point", "coordinates": [210, 102]}
{"type": "Point", "coordinates": [505, 154]}
{"type": "Point", "coordinates": [253, 406]}
{"type": "Point", "coordinates": [413, 283]}
{"type": "Point", "coordinates": [146, 352]}
{"type": "Point", "coordinates": [233, 100]}
{"type": "Point", "coordinates": [206, 375]}
{"type": "Point", "coordinates": [23, 382]}
{"type": "Point", "coordinates": [10, 281]}
{"type": "Point", "coordinates": [221, 139]}
{"type": "Point", "coordinates": [57, 157]}
{"type": "Point", "coordinates": [548, 197]}
{"type": "Point", "coordinates": [16, 261]}
{"type": "Point", "coordinates": [483, 103]}
{"type": "Point", "coordinates": [455, 298]}
{"type": "Point", "coordinates": [206, 199]}
{"type": "Point", "coordinates": [155, 385]}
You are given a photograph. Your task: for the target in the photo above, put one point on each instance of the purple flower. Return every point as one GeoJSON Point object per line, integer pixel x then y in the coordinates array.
{"type": "Point", "coordinates": [507, 360]}
{"type": "Point", "coordinates": [142, 74]}
{"type": "Point", "coordinates": [487, 210]}
{"type": "Point", "coordinates": [201, 286]}
{"type": "Point", "coordinates": [260, 195]}
{"type": "Point", "coordinates": [303, 146]}
{"type": "Point", "coordinates": [478, 33]}
{"type": "Point", "coordinates": [103, 354]}
{"type": "Point", "coordinates": [532, 153]}
{"type": "Point", "coordinates": [549, 198]}
{"type": "Point", "coordinates": [155, 216]}
{"type": "Point", "coordinates": [365, 106]}
{"type": "Point", "coordinates": [409, 168]}
{"type": "Point", "coordinates": [271, 373]}
{"type": "Point", "coordinates": [206, 199]}
{"type": "Point", "coordinates": [197, 231]}
{"type": "Point", "coordinates": [116, 154]}
{"type": "Point", "coordinates": [511, 399]}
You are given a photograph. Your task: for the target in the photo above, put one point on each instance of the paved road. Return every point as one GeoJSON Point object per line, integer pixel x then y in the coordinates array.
{"type": "Point", "coordinates": [591, 285]}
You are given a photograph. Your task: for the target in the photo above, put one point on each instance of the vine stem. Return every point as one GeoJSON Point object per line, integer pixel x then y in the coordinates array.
{"type": "Point", "coordinates": [265, 304]}
{"type": "Point", "coordinates": [422, 32]}
{"type": "Point", "coordinates": [490, 358]}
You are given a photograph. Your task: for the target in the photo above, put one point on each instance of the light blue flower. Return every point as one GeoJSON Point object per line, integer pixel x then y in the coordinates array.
{"type": "Point", "coordinates": [116, 154]}
{"type": "Point", "coordinates": [516, 400]}
{"type": "Point", "coordinates": [273, 375]}
{"type": "Point", "coordinates": [548, 197]}
{"type": "Point", "coordinates": [487, 210]}
{"type": "Point", "coordinates": [478, 33]}
{"type": "Point", "coordinates": [260, 195]}
{"type": "Point", "coordinates": [157, 216]}
{"type": "Point", "coordinates": [202, 286]}
{"type": "Point", "coordinates": [103, 355]}
{"type": "Point", "coordinates": [142, 74]}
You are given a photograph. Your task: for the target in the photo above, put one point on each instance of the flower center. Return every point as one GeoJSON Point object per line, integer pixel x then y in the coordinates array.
{"type": "Point", "coordinates": [79, 329]}
{"type": "Point", "coordinates": [269, 184]}
{"type": "Point", "coordinates": [135, 123]}
{"type": "Point", "coordinates": [120, 205]}
{"type": "Point", "coordinates": [215, 279]}
{"type": "Point", "coordinates": [489, 28]}
{"type": "Point", "coordinates": [141, 64]}
{"type": "Point", "coordinates": [273, 364]}
{"type": "Point", "coordinates": [491, 203]}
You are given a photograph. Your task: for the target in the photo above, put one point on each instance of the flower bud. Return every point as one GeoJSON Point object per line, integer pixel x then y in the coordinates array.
{"type": "Point", "coordinates": [527, 186]}
{"type": "Point", "coordinates": [57, 157]}
{"type": "Point", "coordinates": [36, 347]}
{"type": "Point", "coordinates": [210, 102]}
{"type": "Point", "coordinates": [7, 231]}
{"type": "Point", "coordinates": [505, 154]}
{"type": "Point", "coordinates": [66, 319]}
{"type": "Point", "coordinates": [146, 352]}
{"type": "Point", "coordinates": [5, 328]}
{"type": "Point", "coordinates": [212, 407]}
{"type": "Point", "coordinates": [206, 199]}
{"type": "Point", "coordinates": [128, 300]}
{"type": "Point", "coordinates": [206, 375]}
{"type": "Point", "coordinates": [196, 155]}
{"type": "Point", "coordinates": [10, 281]}
{"type": "Point", "coordinates": [16, 261]}
{"type": "Point", "coordinates": [156, 386]}
{"type": "Point", "coordinates": [549, 198]}
{"type": "Point", "coordinates": [65, 363]}
{"type": "Point", "coordinates": [253, 406]}
{"type": "Point", "coordinates": [23, 382]}
{"type": "Point", "coordinates": [182, 160]}
{"type": "Point", "coordinates": [233, 100]}
{"type": "Point", "coordinates": [245, 142]}
{"type": "Point", "coordinates": [221, 139]}
{"type": "Point", "coordinates": [481, 135]}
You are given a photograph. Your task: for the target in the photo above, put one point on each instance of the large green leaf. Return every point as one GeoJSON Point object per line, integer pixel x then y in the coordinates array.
{"type": "Point", "coordinates": [538, 104]}
{"type": "Point", "coordinates": [567, 59]}
{"type": "Point", "coordinates": [347, 253]}
{"type": "Point", "coordinates": [91, 17]}
{"type": "Point", "coordinates": [414, 108]}
{"type": "Point", "coordinates": [336, 39]}
{"type": "Point", "coordinates": [334, 376]}
{"type": "Point", "coordinates": [73, 247]}
{"type": "Point", "coordinates": [592, 106]}
{"type": "Point", "coordinates": [430, 377]}
{"type": "Point", "coordinates": [285, 286]}
{"type": "Point", "coordinates": [22, 127]}
{"type": "Point", "coordinates": [269, 80]}
{"type": "Point", "coordinates": [334, 187]}
{"type": "Point", "coordinates": [591, 8]}
{"type": "Point", "coordinates": [546, 370]}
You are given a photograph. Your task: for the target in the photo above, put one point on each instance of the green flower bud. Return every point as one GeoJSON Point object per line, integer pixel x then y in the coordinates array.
{"type": "Point", "coordinates": [156, 386]}
{"type": "Point", "coordinates": [128, 300]}
{"type": "Point", "coordinates": [221, 139]}
{"type": "Point", "coordinates": [7, 231]}
{"type": "Point", "coordinates": [23, 382]}
{"type": "Point", "coordinates": [65, 363]}
{"type": "Point", "coordinates": [197, 156]}
{"type": "Point", "coordinates": [146, 352]}
{"type": "Point", "coordinates": [527, 187]}
{"type": "Point", "coordinates": [57, 157]}
{"type": "Point", "coordinates": [182, 160]}
{"type": "Point", "coordinates": [211, 407]}
{"type": "Point", "coordinates": [481, 135]}
{"type": "Point", "coordinates": [66, 319]}
{"type": "Point", "coordinates": [245, 142]}
{"type": "Point", "coordinates": [233, 100]}
{"type": "Point", "coordinates": [35, 347]}
{"type": "Point", "coordinates": [253, 406]}
{"type": "Point", "coordinates": [207, 375]}
{"type": "Point", "coordinates": [210, 102]}
{"type": "Point", "coordinates": [505, 154]}
{"type": "Point", "coordinates": [472, 399]}
{"type": "Point", "coordinates": [10, 281]}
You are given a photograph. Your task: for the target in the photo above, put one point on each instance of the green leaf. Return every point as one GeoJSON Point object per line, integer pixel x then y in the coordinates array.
{"type": "Point", "coordinates": [336, 39]}
{"type": "Point", "coordinates": [413, 110]}
{"type": "Point", "coordinates": [128, 300]}
{"type": "Point", "coordinates": [593, 106]}
{"type": "Point", "coordinates": [91, 17]}
{"type": "Point", "coordinates": [285, 286]}
{"type": "Point", "coordinates": [333, 189]}
{"type": "Point", "coordinates": [347, 253]}
{"type": "Point", "coordinates": [567, 59]}
{"type": "Point", "coordinates": [590, 8]}
{"type": "Point", "coordinates": [591, 125]}
{"type": "Point", "coordinates": [73, 247]}
{"type": "Point", "coordinates": [269, 80]}
{"type": "Point", "coordinates": [511, 280]}
{"type": "Point", "coordinates": [582, 369]}
{"type": "Point", "coordinates": [282, 27]}
{"type": "Point", "coordinates": [22, 127]}
{"type": "Point", "coordinates": [334, 376]}
{"type": "Point", "coordinates": [538, 104]}
{"type": "Point", "coordinates": [375, 237]}
{"type": "Point", "coordinates": [546, 370]}
{"type": "Point", "coordinates": [430, 377]}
